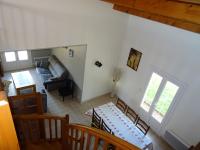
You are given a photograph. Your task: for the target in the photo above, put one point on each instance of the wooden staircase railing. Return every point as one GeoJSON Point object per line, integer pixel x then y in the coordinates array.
{"type": "Point", "coordinates": [41, 131]}
{"type": "Point", "coordinates": [65, 136]}
{"type": "Point", "coordinates": [81, 137]}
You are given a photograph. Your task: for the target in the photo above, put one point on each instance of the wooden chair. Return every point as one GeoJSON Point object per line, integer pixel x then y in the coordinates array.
{"type": "Point", "coordinates": [132, 114]}
{"type": "Point", "coordinates": [105, 127]}
{"type": "Point", "coordinates": [26, 104]}
{"type": "Point", "coordinates": [197, 147]}
{"type": "Point", "coordinates": [140, 124]}
{"type": "Point", "coordinates": [96, 120]}
{"type": "Point", "coordinates": [66, 90]}
{"type": "Point", "coordinates": [121, 105]}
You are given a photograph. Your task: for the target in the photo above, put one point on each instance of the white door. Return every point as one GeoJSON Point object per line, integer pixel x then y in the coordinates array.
{"type": "Point", "coordinates": [158, 101]}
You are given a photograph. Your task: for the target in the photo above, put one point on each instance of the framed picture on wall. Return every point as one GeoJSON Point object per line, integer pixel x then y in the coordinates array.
{"type": "Point", "coordinates": [71, 52]}
{"type": "Point", "coordinates": [134, 59]}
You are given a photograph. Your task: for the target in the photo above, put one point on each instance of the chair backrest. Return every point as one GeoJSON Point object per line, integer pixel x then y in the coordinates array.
{"type": "Point", "coordinates": [26, 104]}
{"type": "Point", "coordinates": [105, 127]}
{"type": "Point", "coordinates": [132, 114]}
{"type": "Point", "coordinates": [143, 126]}
{"type": "Point", "coordinates": [96, 120]}
{"type": "Point", "coordinates": [69, 84]}
{"type": "Point", "coordinates": [121, 105]}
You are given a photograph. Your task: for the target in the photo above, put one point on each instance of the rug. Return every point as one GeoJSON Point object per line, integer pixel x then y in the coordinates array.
{"type": "Point", "coordinates": [89, 112]}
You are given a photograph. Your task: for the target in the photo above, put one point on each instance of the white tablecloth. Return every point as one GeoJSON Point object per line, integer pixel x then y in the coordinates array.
{"type": "Point", "coordinates": [122, 126]}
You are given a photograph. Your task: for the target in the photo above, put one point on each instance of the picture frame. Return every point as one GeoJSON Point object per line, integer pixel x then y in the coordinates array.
{"type": "Point", "coordinates": [71, 53]}
{"type": "Point", "coordinates": [134, 59]}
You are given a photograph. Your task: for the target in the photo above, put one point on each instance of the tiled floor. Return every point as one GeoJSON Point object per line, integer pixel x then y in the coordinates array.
{"type": "Point", "coordinates": [76, 109]}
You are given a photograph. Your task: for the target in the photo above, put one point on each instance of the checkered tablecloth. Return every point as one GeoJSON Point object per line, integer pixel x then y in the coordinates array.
{"type": "Point", "coordinates": [122, 126]}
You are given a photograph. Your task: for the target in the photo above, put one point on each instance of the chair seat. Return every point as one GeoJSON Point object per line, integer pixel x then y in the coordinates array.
{"type": "Point", "coordinates": [64, 91]}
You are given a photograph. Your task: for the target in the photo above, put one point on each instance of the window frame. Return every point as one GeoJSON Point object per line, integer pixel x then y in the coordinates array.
{"type": "Point", "coordinates": [177, 99]}
{"type": "Point", "coordinates": [6, 57]}
{"type": "Point", "coordinates": [17, 58]}
{"type": "Point", "coordinates": [146, 91]}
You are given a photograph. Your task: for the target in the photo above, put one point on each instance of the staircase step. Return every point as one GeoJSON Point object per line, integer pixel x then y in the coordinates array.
{"type": "Point", "coordinates": [55, 145]}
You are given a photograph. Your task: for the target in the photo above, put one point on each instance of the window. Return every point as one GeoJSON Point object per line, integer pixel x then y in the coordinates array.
{"type": "Point", "coordinates": [164, 101]}
{"type": "Point", "coordinates": [158, 96]}
{"type": "Point", "coordinates": [10, 56]}
{"type": "Point", "coordinates": [151, 91]}
{"type": "Point", "coordinates": [22, 55]}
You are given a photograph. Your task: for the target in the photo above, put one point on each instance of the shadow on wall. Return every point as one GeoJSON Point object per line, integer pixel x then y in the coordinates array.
{"type": "Point", "coordinates": [73, 58]}
{"type": "Point", "coordinates": [25, 28]}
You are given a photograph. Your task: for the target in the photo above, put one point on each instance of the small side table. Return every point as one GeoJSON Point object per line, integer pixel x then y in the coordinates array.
{"type": "Point", "coordinates": [68, 89]}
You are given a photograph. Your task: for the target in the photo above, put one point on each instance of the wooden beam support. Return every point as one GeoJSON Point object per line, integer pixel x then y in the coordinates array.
{"type": "Point", "coordinates": [166, 20]}
{"type": "Point", "coordinates": [173, 9]}
{"type": "Point", "coordinates": [190, 1]}
{"type": "Point", "coordinates": [126, 3]}
{"type": "Point", "coordinates": [172, 12]}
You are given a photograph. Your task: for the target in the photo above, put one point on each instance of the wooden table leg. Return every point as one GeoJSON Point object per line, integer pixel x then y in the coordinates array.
{"type": "Point", "coordinates": [34, 89]}
{"type": "Point", "coordinates": [18, 91]}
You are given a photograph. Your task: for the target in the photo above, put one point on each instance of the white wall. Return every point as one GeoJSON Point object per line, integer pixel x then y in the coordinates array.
{"type": "Point", "coordinates": [105, 45]}
{"type": "Point", "coordinates": [51, 23]}
{"type": "Point", "coordinates": [174, 51]}
{"type": "Point", "coordinates": [75, 65]}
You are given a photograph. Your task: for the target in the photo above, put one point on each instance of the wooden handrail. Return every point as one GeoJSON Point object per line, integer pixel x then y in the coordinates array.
{"type": "Point", "coordinates": [80, 136]}
{"type": "Point", "coordinates": [37, 117]}
{"type": "Point", "coordinates": [197, 2]}
{"type": "Point", "coordinates": [73, 136]}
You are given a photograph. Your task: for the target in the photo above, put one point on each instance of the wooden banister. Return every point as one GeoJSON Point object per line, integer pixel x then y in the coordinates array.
{"type": "Point", "coordinates": [88, 138]}
{"type": "Point", "coordinates": [72, 136]}
{"type": "Point", "coordinates": [41, 128]}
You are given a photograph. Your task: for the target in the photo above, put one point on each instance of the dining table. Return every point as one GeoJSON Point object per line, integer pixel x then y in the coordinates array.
{"type": "Point", "coordinates": [122, 126]}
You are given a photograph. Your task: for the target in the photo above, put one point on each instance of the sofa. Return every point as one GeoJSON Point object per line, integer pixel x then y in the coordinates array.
{"type": "Point", "coordinates": [52, 72]}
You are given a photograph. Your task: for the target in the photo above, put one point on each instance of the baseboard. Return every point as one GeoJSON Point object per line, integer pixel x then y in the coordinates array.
{"type": "Point", "coordinates": [107, 94]}
{"type": "Point", "coordinates": [176, 142]}
{"type": "Point", "coordinates": [32, 67]}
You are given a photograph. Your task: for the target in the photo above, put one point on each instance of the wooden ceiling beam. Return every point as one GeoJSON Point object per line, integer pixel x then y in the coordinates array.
{"type": "Point", "coordinates": [163, 19]}
{"type": "Point", "coordinates": [126, 3]}
{"type": "Point", "coordinates": [173, 9]}
{"type": "Point", "coordinates": [189, 1]}
{"type": "Point", "coordinates": [172, 12]}
{"type": "Point", "coordinates": [168, 8]}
